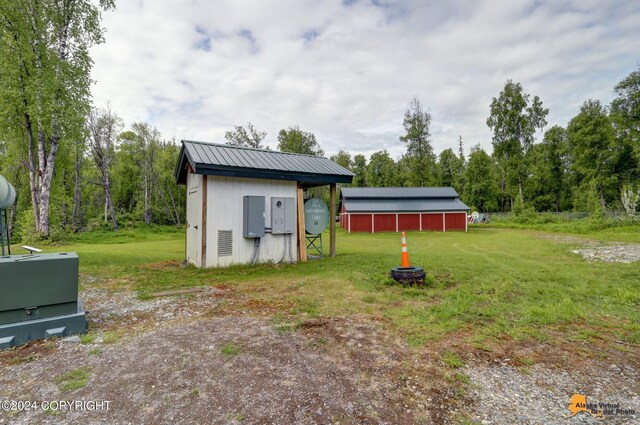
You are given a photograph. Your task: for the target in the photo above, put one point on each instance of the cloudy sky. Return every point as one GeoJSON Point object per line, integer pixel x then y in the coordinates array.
{"type": "Point", "coordinates": [347, 70]}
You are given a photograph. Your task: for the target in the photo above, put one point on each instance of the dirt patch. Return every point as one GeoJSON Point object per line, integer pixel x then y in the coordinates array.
{"type": "Point", "coordinates": [566, 349]}
{"type": "Point", "coordinates": [511, 381]}
{"type": "Point", "coordinates": [166, 265]}
{"type": "Point", "coordinates": [26, 353]}
{"type": "Point", "coordinates": [262, 307]}
{"type": "Point", "coordinates": [107, 310]}
{"type": "Point", "coordinates": [415, 376]}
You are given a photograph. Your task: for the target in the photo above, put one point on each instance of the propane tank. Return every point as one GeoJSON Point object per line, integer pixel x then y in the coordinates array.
{"type": "Point", "coordinates": [7, 194]}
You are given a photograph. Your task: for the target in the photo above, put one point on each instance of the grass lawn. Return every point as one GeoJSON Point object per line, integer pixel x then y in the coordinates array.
{"type": "Point", "coordinates": [484, 285]}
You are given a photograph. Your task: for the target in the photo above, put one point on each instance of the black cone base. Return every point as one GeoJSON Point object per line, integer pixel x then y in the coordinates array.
{"type": "Point", "coordinates": [409, 275]}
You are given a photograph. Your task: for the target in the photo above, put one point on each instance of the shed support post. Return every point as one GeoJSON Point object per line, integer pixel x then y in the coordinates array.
{"type": "Point", "coordinates": [205, 202]}
{"type": "Point", "coordinates": [332, 220]}
{"type": "Point", "coordinates": [302, 239]}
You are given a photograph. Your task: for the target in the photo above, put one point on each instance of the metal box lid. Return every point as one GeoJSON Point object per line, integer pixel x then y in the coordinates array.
{"type": "Point", "coordinates": [38, 280]}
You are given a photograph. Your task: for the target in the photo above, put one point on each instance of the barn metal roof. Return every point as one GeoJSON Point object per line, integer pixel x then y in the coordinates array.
{"type": "Point", "coordinates": [401, 199]}
{"type": "Point", "coordinates": [403, 205]}
{"type": "Point", "coordinates": [238, 161]}
{"type": "Point", "coordinates": [399, 192]}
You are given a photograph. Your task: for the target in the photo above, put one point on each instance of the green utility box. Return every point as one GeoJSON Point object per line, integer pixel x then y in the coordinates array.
{"type": "Point", "coordinates": [39, 297]}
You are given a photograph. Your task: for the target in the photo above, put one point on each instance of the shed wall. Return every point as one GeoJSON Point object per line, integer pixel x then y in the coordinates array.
{"type": "Point", "coordinates": [225, 212]}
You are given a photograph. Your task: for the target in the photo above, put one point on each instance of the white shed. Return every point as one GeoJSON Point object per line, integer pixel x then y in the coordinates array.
{"type": "Point", "coordinates": [231, 189]}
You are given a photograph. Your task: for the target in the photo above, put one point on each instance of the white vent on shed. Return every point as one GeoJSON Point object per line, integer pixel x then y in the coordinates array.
{"type": "Point", "coordinates": [224, 243]}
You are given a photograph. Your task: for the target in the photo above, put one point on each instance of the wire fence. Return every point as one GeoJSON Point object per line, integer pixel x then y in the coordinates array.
{"type": "Point", "coordinates": [564, 216]}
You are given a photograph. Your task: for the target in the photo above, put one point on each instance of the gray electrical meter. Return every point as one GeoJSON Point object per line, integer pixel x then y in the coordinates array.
{"type": "Point", "coordinates": [283, 215]}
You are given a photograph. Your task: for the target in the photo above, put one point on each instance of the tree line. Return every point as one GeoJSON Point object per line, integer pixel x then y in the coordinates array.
{"type": "Point", "coordinates": [592, 164]}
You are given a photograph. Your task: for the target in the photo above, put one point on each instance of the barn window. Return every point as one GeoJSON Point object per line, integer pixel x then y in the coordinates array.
{"type": "Point", "coordinates": [224, 243]}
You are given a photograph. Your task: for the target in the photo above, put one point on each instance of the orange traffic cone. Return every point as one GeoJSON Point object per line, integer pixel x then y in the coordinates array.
{"type": "Point", "coordinates": [404, 263]}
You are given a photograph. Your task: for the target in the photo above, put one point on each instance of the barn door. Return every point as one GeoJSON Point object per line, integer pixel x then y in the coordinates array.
{"type": "Point", "coordinates": [194, 221]}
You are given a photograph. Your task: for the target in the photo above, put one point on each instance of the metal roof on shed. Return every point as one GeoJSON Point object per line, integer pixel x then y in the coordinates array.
{"type": "Point", "coordinates": [398, 192]}
{"type": "Point", "coordinates": [403, 205]}
{"type": "Point", "coordinates": [238, 161]}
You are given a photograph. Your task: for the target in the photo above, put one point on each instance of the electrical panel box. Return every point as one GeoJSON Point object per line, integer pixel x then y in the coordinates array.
{"type": "Point", "coordinates": [253, 216]}
{"type": "Point", "coordinates": [283, 215]}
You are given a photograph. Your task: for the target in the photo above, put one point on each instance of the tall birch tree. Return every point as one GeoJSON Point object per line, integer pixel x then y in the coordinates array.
{"type": "Point", "coordinates": [44, 82]}
{"type": "Point", "coordinates": [514, 120]}
{"type": "Point", "coordinates": [103, 128]}
{"type": "Point", "coordinates": [147, 142]}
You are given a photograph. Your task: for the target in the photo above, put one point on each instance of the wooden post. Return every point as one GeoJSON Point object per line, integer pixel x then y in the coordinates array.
{"type": "Point", "coordinates": [332, 220]}
{"type": "Point", "coordinates": [302, 239]}
{"type": "Point", "coordinates": [205, 201]}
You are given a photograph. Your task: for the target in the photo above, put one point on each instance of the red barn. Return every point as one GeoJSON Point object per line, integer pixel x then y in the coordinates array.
{"type": "Point", "coordinates": [397, 209]}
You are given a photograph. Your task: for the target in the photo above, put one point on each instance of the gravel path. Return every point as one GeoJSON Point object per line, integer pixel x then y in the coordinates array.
{"type": "Point", "coordinates": [610, 253]}
{"type": "Point", "coordinates": [219, 371]}
{"type": "Point", "coordinates": [540, 395]}
{"type": "Point", "coordinates": [590, 250]}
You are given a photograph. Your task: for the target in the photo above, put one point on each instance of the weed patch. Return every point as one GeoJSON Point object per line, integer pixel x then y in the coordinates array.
{"type": "Point", "coordinates": [110, 337]}
{"type": "Point", "coordinates": [87, 338]}
{"type": "Point", "coordinates": [73, 380]}
{"type": "Point", "coordinates": [230, 349]}
{"type": "Point", "coordinates": [452, 360]}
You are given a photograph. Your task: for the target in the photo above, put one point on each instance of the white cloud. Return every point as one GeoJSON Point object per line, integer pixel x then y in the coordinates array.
{"type": "Point", "coordinates": [347, 72]}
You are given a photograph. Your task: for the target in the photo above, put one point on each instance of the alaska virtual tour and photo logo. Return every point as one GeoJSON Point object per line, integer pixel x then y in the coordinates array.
{"type": "Point", "coordinates": [579, 404]}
